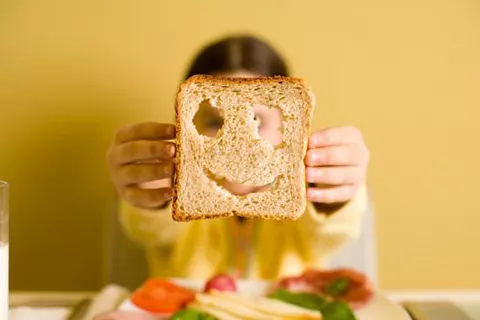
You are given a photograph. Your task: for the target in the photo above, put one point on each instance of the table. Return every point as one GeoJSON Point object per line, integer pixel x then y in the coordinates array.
{"type": "Point", "coordinates": [438, 303]}
{"type": "Point", "coordinates": [45, 305]}
{"type": "Point", "coordinates": [57, 305]}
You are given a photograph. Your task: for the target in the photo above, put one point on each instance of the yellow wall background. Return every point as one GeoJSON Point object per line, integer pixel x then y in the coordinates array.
{"type": "Point", "coordinates": [407, 72]}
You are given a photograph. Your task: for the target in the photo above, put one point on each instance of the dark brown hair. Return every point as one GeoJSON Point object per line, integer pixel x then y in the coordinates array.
{"type": "Point", "coordinates": [235, 53]}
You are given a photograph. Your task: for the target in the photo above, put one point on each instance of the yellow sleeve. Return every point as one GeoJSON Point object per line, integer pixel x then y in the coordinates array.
{"type": "Point", "coordinates": [149, 227]}
{"type": "Point", "coordinates": [323, 234]}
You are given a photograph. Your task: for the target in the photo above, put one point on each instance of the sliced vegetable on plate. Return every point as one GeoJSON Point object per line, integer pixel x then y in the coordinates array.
{"type": "Point", "coordinates": [337, 310]}
{"type": "Point", "coordinates": [337, 288]}
{"type": "Point", "coordinates": [191, 314]}
{"type": "Point", "coordinates": [162, 297]}
{"type": "Point", "coordinates": [221, 282]}
{"type": "Point", "coordinates": [305, 300]}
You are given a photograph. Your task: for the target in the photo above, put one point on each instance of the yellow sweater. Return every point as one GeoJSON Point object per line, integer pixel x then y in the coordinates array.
{"type": "Point", "coordinates": [200, 249]}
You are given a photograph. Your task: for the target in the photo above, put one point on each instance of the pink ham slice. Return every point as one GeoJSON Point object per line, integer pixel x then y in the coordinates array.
{"type": "Point", "coordinates": [359, 291]}
{"type": "Point", "coordinates": [129, 315]}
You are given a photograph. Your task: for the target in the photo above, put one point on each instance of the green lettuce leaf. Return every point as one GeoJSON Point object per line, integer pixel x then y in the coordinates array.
{"type": "Point", "coordinates": [191, 314]}
{"type": "Point", "coordinates": [337, 310]}
{"type": "Point", "coordinates": [337, 287]}
{"type": "Point", "coordinates": [305, 300]}
{"type": "Point", "coordinates": [331, 310]}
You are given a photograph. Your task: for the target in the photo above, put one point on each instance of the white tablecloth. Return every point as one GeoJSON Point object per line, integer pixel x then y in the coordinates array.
{"type": "Point", "coordinates": [26, 313]}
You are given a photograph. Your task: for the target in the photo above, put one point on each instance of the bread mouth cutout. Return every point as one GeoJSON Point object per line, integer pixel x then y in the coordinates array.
{"type": "Point", "coordinates": [222, 182]}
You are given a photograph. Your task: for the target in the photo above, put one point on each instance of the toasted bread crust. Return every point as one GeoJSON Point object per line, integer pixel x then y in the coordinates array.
{"type": "Point", "coordinates": [240, 80]}
{"type": "Point", "coordinates": [181, 216]}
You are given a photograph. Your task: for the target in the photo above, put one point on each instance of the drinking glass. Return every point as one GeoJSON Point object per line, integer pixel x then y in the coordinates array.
{"type": "Point", "coordinates": [3, 250]}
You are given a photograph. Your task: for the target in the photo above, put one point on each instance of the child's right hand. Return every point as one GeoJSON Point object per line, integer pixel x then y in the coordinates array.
{"type": "Point", "coordinates": [141, 154]}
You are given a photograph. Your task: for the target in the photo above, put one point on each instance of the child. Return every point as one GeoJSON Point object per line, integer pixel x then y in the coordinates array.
{"type": "Point", "coordinates": [141, 165]}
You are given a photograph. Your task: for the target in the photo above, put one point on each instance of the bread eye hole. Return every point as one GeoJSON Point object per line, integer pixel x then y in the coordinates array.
{"type": "Point", "coordinates": [208, 120]}
{"type": "Point", "coordinates": [269, 124]}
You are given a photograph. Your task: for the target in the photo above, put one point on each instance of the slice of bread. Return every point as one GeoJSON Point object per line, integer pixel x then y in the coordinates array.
{"type": "Point", "coordinates": [237, 153]}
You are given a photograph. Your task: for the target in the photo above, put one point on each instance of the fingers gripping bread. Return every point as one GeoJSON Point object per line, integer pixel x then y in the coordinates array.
{"type": "Point", "coordinates": [237, 153]}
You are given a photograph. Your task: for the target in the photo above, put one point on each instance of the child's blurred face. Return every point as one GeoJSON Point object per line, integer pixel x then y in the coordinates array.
{"type": "Point", "coordinates": [269, 121]}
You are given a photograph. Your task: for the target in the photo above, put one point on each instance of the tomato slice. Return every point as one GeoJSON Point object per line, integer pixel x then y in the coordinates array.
{"type": "Point", "coordinates": [162, 296]}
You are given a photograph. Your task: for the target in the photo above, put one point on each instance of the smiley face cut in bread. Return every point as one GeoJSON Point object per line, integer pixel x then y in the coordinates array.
{"type": "Point", "coordinates": [237, 153]}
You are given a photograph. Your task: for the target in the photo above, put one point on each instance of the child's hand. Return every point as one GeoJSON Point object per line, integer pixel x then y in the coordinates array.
{"type": "Point", "coordinates": [141, 154]}
{"type": "Point", "coordinates": [337, 161]}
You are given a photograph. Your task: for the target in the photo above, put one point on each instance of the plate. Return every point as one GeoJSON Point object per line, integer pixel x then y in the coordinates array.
{"type": "Point", "coordinates": [379, 307]}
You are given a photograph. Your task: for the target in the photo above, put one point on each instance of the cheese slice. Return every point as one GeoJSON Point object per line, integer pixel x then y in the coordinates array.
{"type": "Point", "coordinates": [232, 307]}
{"type": "Point", "coordinates": [268, 307]}
{"type": "Point", "coordinates": [214, 312]}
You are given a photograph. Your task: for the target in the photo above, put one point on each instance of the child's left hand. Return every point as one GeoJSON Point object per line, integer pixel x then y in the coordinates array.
{"type": "Point", "coordinates": [337, 161]}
